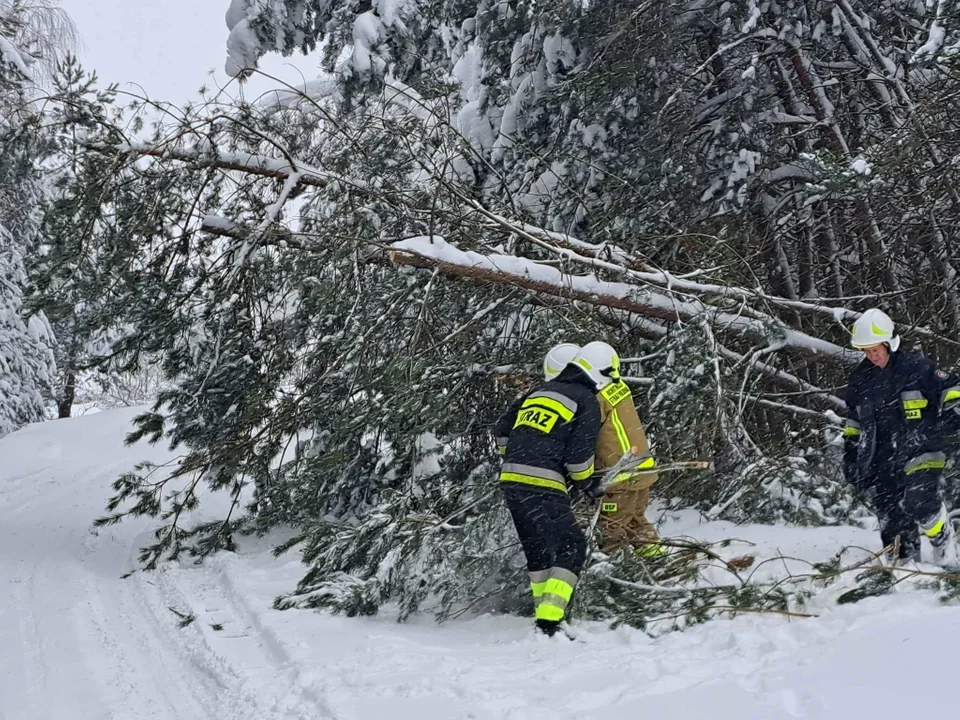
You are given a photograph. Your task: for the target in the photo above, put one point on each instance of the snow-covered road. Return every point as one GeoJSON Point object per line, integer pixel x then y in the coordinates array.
{"type": "Point", "coordinates": [79, 641]}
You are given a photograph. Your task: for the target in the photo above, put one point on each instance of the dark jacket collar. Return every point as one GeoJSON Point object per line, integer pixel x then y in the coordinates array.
{"type": "Point", "coordinates": [895, 360]}
{"type": "Point", "coordinates": [575, 376]}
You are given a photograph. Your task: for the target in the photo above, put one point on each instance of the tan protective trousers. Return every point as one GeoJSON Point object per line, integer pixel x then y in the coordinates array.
{"type": "Point", "coordinates": [622, 521]}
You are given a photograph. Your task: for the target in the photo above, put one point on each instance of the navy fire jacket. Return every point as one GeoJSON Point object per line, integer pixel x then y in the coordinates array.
{"type": "Point", "coordinates": [897, 417]}
{"type": "Point", "coordinates": [550, 434]}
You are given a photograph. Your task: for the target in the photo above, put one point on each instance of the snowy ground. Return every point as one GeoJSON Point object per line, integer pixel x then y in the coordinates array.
{"type": "Point", "coordinates": [80, 642]}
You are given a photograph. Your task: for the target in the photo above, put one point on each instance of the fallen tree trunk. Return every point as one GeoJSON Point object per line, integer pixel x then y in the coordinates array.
{"type": "Point", "coordinates": [435, 253]}
{"type": "Point", "coordinates": [649, 311]}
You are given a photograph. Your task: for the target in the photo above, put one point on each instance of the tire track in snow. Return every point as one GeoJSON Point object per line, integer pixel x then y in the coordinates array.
{"type": "Point", "coordinates": [141, 655]}
{"type": "Point", "coordinates": [259, 668]}
{"type": "Point", "coordinates": [86, 645]}
{"type": "Point", "coordinates": [80, 652]}
{"type": "Point", "coordinates": [78, 641]}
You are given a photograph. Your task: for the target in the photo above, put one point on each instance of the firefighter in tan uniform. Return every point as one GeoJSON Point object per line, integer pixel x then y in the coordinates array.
{"type": "Point", "coordinates": [622, 512]}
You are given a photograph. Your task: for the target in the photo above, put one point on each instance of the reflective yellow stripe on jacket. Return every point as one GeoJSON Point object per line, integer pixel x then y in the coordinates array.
{"type": "Point", "coordinates": [560, 404]}
{"type": "Point", "coordinates": [531, 475]}
{"type": "Point", "coordinates": [951, 399]}
{"type": "Point", "coordinates": [581, 471]}
{"type": "Point", "coordinates": [621, 432]}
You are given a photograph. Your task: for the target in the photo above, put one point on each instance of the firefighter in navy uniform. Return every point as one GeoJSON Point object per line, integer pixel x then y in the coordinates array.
{"type": "Point", "coordinates": [548, 439]}
{"type": "Point", "coordinates": [899, 407]}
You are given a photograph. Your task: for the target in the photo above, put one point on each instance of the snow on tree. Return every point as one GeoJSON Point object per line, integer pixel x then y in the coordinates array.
{"type": "Point", "coordinates": [31, 35]}
{"type": "Point", "coordinates": [76, 219]}
{"type": "Point", "coordinates": [34, 36]}
{"type": "Point", "coordinates": [26, 363]}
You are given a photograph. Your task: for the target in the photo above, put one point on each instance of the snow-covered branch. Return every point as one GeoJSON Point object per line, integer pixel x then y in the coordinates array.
{"type": "Point", "coordinates": [435, 252]}
{"type": "Point", "coordinates": [787, 407]}
{"type": "Point", "coordinates": [9, 55]}
{"type": "Point", "coordinates": [241, 162]}
{"type": "Point", "coordinates": [612, 258]}
{"type": "Point", "coordinates": [664, 304]}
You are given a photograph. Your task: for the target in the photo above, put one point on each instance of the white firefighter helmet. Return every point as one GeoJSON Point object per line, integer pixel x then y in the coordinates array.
{"type": "Point", "coordinates": [600, 361]}
{"type": "Point", "coordinates": [872, 328]}
{"type": "Point", "coordinates": [557, 358]}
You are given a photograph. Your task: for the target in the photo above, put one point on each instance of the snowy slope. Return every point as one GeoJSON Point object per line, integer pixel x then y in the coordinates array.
{"type": "Point", "coordinates": [80, 642]}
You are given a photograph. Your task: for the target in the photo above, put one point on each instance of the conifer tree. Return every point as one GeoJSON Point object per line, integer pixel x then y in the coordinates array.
{"type": "Point", "coordinates": [31, 36]}
{"type": "Point", "coordinates": [77, 225]}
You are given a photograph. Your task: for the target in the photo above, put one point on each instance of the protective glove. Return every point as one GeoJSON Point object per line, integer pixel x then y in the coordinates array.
{"type": "Point", "coordinates": [593, 489]}
{"type": "Point", "coordinates": [580, 493]}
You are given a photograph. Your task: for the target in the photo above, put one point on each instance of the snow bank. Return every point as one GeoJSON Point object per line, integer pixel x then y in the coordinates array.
{"type": "Point", "coordinates": [203, 641]}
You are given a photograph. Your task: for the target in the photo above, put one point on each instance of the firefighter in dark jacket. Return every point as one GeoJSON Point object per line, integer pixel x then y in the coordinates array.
{"type": "Point", "coordinates": [899, 407]}
{"type": "Point", "coordinates": [548, 439]}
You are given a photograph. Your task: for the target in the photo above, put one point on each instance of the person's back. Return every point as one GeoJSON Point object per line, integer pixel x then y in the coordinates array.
{"type": "Point", "coordinates": [898, 405]}
{"type": "Point", "coordinates": [623, 519]}
{"type": "Point", "coordinates": [544, 433]}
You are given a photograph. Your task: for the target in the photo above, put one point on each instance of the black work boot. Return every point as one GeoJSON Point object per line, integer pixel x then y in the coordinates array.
{"type": "Point", "coordinates": [548, 627]}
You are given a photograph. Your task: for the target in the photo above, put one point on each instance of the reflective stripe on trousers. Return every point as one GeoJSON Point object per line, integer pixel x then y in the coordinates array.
{"type": "Point", "coordinates": [556, 594]}
{"type": "Point", "coordinates": [933, 527]}
{"type": "Point", "coordinates": [538, 581]}
{"type": "Point", "coordinates": [926, 461]}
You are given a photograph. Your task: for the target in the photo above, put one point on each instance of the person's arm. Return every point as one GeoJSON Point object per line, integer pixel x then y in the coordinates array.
{"type": "Point", "coordinates": [630, 434]}
{"type": "Point", "coordinates": [945, 397]}
{"type": "Point", "coordinates": [927, 400]}
{"type": "Point", "coordinates": [505, 424]}
{"type": "Point", "coordinates": [851, 435]}
{"type": "Point", "coordinates": [580, 454]}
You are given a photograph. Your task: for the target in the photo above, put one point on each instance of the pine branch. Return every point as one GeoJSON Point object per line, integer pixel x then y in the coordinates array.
{"type": "Point", "coordinates": [246, 163]}
{"type": "Point", "coordinates": [649, 314]}
{"type": "Point", "coordinates": [185, 619]}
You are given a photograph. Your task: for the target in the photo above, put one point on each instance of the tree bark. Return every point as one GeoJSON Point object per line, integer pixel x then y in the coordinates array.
{"type": "Point", "coordinates": [67, 395]}
{"type": "Point", "coordinates": [642, 303]}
